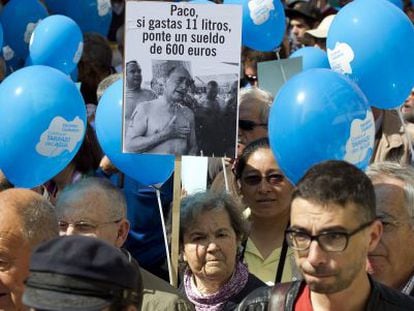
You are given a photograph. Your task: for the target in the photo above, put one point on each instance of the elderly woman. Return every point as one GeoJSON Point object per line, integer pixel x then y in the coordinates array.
{"type": "Point", "coordinates": [267, 193]}
{"type": "Point", "coordinates": [211, 231]}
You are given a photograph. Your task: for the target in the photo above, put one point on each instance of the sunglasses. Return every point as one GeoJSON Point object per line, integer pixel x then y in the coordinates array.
{"type": "Point", "coordinates": [248, 125]}
{"type": "Point", "coordinates": [252, 79]}
{"type": "Point", "coordinates": [272, 179]}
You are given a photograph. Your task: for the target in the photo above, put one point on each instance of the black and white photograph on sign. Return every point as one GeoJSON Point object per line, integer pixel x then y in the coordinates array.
{"type": "Point", "coordinates": [181, 87]}
{"type": "Point", "coordinates": [180, 113]}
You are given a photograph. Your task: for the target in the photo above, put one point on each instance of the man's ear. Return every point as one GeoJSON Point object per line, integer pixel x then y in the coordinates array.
{"type": "Point", "coordinates": [122, 232]}
{"type": "Point", "coordinates": [375, 235]}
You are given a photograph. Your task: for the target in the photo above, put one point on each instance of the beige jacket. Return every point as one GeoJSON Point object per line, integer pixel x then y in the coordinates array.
{"type": "Point", "coordinates": [158, 295]}
{"type": "Point", "coordinates": [392, 145]}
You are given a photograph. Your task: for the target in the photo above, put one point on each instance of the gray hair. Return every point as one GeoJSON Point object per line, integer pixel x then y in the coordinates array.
{"type": "Point", "coordinates": [194, 205]}
{"type": "Point", "coordinates": [39, 221]}
{"type": "Point", "coordinates": [107, 82]}
{"type": "Point", "coordinates": [37, 214]}
{"type": "Point", "coordinates": [256, 96]}
{"type": "Point", "coordinates": [113, 197]}
{"type": "Point", "coordinates": [397, 171]}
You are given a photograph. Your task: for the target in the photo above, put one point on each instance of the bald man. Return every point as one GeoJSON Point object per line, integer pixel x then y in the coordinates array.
{"type": "Point", "coordinates": [26, 219]}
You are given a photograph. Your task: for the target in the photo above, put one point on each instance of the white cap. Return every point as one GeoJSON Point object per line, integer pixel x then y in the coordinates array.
{"type": "Point", "coordinates": [322, 30]}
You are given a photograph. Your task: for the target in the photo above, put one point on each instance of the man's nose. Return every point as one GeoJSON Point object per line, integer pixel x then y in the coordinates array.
{"type": "Point", "coordinates": [316, 255]}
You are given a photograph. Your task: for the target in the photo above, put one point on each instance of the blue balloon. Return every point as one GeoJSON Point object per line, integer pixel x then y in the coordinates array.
{"type": "Point", "coordinates": [54, 6]}
{"type": "Point", "coordinates": [19, 18]}
{"type": "Point", "coordinates": [398, 3]}
{"type": "Point", "coordinates": [148, 169]}
{"type": "Point", "coordinates": [320, 115]}
{"type": "Point", "coordinates": [202, 2]}
{"type": "Point", "coordinates": [1, 36]}
{"type": "Point", "coordinates": [42, 124]}
{"type": "Point", "coordinates": [312, 57]}
{"type": "Point", "coordinates": [264, 23]}
{"type": "Point", "coordinates": [90, 15]}
{"type": "Point", "coordinates": [374, 48]}
{"type": "Point", "coordinates": [57, 42]}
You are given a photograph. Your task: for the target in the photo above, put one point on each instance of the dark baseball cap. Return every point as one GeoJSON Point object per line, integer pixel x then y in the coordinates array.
{"type": "Point", "coordinates": [80, 273]}
{"type": "Point", "coordinates": [304, 9]}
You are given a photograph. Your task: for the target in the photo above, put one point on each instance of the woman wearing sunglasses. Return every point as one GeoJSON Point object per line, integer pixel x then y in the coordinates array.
{"type": "Point", "coordinates": [267, 192]}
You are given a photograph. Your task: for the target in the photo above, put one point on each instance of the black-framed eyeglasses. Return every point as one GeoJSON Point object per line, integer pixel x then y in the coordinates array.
{"type": "Point", "coordinates": [272, 179]}
{"type": "Point", "coordinates": [84, 226]}
{"type": "Point", "coordinates": [248, 125]}
{"type": "Point", "coordinates": [329, 241]}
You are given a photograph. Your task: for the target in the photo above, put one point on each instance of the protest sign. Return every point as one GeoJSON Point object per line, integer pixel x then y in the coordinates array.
{"type": "Point", "coordinates": [182, 68]}
{"type": "Point", "coordinates": [273, 74]}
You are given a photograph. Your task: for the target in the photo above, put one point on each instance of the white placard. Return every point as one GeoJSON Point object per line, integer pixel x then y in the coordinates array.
{"type": "Point", "coordinates": [185, 53]}
{"type": "Point", "coordinates": [194, 174]}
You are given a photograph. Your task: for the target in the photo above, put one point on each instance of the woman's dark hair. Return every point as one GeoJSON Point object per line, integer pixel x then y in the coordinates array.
{"type": "Point", "coordinates": [194, 205]}
{"type": "Point", "coordinates": [89, 155]}
{"type": "Point", "coordinates": [262, 143]}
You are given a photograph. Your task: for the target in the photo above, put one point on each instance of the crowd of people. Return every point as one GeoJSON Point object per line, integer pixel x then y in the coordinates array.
{"type": "Point", "coordinates": [91, 237]}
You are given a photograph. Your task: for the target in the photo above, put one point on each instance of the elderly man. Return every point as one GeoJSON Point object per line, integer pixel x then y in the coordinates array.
{"type": "Point", "coordinates": [164, 125]}
{"type": "Point", "coordinates": [134, 93]}
{"type": "Point", "coordinates": [93, 207]}
{"type": "Point", "coordinates": [26, 219]}
{"type": "Point", "coordinates": [333, 226]}
{"type": "Point", "coordinates": [392, 261]}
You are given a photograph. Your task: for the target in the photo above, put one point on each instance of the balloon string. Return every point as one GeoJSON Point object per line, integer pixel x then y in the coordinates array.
{"type": "Point", "coordinates": [226, 182]}
{"type": "Point", "coordinates": [407, 135]}
{"type": "Point", "coordinates": [282, 69]}
{"type": "Point", "coordinates": [167, 250]}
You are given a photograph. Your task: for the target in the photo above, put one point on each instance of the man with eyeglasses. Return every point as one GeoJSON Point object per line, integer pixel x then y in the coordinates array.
{"type": "Point", "coordinates": [165, 124]}
{"type": "Point", "coordinates": [94, 207]}
{"type": "Point", "coordinates": [392, 261]}
{"type": "Point", "coordinates": [333, 226]}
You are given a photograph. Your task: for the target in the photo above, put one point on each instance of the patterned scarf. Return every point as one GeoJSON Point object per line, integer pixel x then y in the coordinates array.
{"type": "Point", "coordinates": [216, 301]}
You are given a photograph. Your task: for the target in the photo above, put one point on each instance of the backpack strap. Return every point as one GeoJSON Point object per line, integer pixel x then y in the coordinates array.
{"type": "Point", "coordinates": [278, 296]}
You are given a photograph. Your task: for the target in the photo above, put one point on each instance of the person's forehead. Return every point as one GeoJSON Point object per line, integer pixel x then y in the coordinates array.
{"type": "Point", "coordinates": [390, 197]}
{"type": "Point", "coordinates": [218, 217]}
{"type": "Point", "coordinates": [298, 21]}
{"type": "Point", "coordinates": [179, 72]}
{"type": "Point", "coordinates": [81, 208]}
{"type": "Point", "coordinates": [249, 110]}
{"type": "Point", "coordinates": [11, 233]}
{"type": "Point", "coordinates": [133, 65]}
{"type": "Point", "coordinates": [317, 216]}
